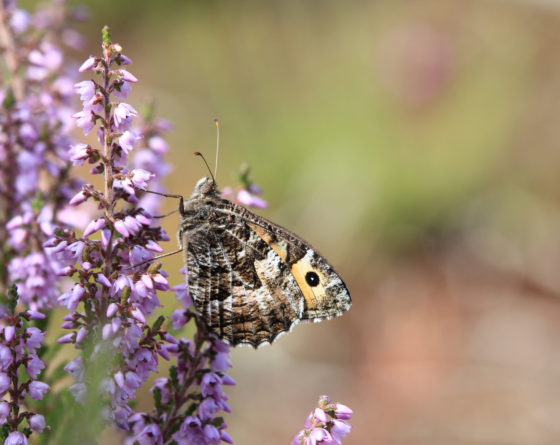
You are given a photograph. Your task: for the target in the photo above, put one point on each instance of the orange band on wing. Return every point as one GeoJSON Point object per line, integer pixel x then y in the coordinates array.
{"type": "Point", "coordinates": [313, 295]}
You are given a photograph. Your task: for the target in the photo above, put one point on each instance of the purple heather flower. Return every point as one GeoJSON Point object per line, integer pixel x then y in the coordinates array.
{"type": "Point", "coordinates": [158, 145]}
{"type": "Point", "coordinates": [121, 228]}
{"type": "Point", "coordinates": [102, 279]}
{"type": "Point", "coordinates": [123, 115]}
{"type": "Point", "coordinates": [4, 412]}
{"type": "Point", "coordinates": [122, 89]}
{"type": "Point", "coordinates": [179, 319]}
{"type": "Point", "coordinates": [67, 338]}
{"type": "Point", "coordinates": [342, 411]}
{"type": "Point", "coordinates": [128, 140]}
{"type": "Point", "coordinates": [34, 337]}
{"type": "Point", "coordinates": [78, 198]}
{"type": "Point", "coordinates": [340, 429]}
{"type": "Point", "coordinates": [5, 357]}
{"type": "Point", "coordinates": [150, 435]}
{"type": "Point", "coordinates": [9, 333]}
{"type": "Point", "coordinates": [246, 198]}
{"type": "Point", "coordinates": [34, 366]}
{"type": "Point", "coordinates": [71, 298]}
{"type": "Point", "coordinates": [19, 21]}
{"type": "Point", "coordinates": [4, 383]}
{"type": "Point", "coordinates": [88, 64]}
{"type": "Point", "coordinates": [319, 436]}
{"type": "Point", "coordinates": [141, 177]}
{"type": "Point", "coordinates": [86, 90]}
{"type": "Point", "coordinates": [37, 390]}
{"type": "Point", "coordinates": [323, 426]}
{"type": "Point", "coordinates": [37, 423]}
{"type": "Point", "coordinates": [129, 77]}
{"type": "Point", "coordinates": [320, 415]}
{"type": "Point", "coordinates": [94, 226]}
{"type": "Point", "coordinates": [85, 120]}
{"type": "Point", "coordinates": [75, 368]}
{"type": "Point", "coordinates": [16, 438]}
{"type": "Point", "coordinates": [34, 315]}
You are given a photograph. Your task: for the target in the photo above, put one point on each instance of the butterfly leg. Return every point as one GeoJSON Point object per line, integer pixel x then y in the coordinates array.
{"type": "Point", "coordinates": [169, 195]}
{"type": "Point", "coordinates": [166, 215]}
{"type": "Point", "coordinates": [156, 258]}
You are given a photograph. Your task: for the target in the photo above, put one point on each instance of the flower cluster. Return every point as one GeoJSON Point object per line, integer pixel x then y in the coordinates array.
{"type": "Point", "coordinates": [35, 126]}
{"type": "Point", "coordinates": [326, 425]}
{"type": "Point", "coordinates": [18, 351]}
{"type": "Point", "coordinates": [187, 402]}
{"type": "Point", "coordinates": [112, 297]}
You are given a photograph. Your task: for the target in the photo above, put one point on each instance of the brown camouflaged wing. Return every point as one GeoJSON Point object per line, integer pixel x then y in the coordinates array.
{"type": "Point", "coordinates": [250, 278]}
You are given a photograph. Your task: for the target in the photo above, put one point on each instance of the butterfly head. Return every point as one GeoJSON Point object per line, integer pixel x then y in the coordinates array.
{"type": "Point", "coordinates": [205, 186]}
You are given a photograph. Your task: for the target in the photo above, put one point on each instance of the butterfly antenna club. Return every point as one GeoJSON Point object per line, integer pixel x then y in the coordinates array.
{"type": "Point", "coordinates": [217, 122]}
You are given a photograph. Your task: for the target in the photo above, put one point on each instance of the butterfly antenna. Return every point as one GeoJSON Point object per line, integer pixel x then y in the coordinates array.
{"type": "Point", "coordinates": [217, 146]}
{"type": "Point", "coordinates": [197, 153]}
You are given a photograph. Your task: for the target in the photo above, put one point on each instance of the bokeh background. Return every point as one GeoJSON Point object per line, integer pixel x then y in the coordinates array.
{"type": "Point", "coordinates": [416, 144]}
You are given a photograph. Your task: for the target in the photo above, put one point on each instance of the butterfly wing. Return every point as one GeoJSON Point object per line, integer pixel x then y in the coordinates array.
{"type": "Point", "coordinates": [252, 280]}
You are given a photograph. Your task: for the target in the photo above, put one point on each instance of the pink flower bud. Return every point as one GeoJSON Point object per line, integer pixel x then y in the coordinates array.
{"type": "Point", "coordinates": [34, 315]}
{"type": "Point", "coordinates": [106, 331]}
{"type": "Point", "coordinates": [4, 412]}
{"type": "Point", "coordinates": [112, 310]}
{"type": "Point", "coordinates": [65, 271]}
{"type": "Point", "coordinates": [9, 332]}
{"type": "Point", "coordinates": [102, 279]}
{"type": "Point", "coordinates": [94, 226]}
{"type": "Point", "coordinates": [147, 281]}
{"type": "Point", "coordinates": [121, 228]}
{"type": "Point", "coordinates": [143, 219]}
{"type": "Point", "coordinates": [163, 352]}
{"type": "Point", "coordinates": [87, 65]}
{"type": "Point", "coordinates": [68, 338]}
{"type": "Point", "coordinates": [153, 246]}
{"type": "Point", "coordinates": [16, 438]}
{"type": "Point", "coordinates": [138, 315]}
{"type": "Point", "coordinates": [128, 76]}
{"type": "Point", "coordinates": [78, 198]}
{"type": "Point", "coordinates": [37, 423]}
{"type": "Point", "coordinates": [82, 332]}
{"type": "Point", "coordinates": [37, 390]}
{"type": "Point", "coordinates": [342, 411]}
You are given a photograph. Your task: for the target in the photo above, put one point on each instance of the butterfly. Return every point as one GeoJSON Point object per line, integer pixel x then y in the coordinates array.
{"type": "Point", "coordinates": [250, 279]}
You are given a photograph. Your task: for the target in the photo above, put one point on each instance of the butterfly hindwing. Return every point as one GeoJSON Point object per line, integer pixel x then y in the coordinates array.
{"type": "Point", "coordinates": [239, 285]}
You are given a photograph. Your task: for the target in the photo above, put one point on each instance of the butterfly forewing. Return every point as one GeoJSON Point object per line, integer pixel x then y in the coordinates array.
{"type": "Point", "coordinates": [250, 279]}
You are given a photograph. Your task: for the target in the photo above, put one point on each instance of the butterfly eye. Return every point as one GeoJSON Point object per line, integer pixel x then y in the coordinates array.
{"type": "Point", "coordinates": [312, 278]}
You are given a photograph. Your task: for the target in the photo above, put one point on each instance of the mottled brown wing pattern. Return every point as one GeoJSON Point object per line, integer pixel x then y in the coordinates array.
{"type": "Point", "coordinates": [239, 285]}
{"type": "Point", "coordinates": [327, 298]}
{"type": "Point", "coordinates": [250, 279]}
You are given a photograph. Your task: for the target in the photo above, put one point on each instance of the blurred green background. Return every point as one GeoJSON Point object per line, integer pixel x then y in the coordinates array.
{"type": "Point", "coordinates": [416, 144]}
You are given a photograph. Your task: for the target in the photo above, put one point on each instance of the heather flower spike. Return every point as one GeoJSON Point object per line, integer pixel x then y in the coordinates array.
{"type": "Point", "coordinates": [110, 301]}
{"type": "Point", "coordinates": [19, 347]}
{"type": "Point", "coordinates": [325, 425]}
{"type": "Point", "coordinates": [35, 132]}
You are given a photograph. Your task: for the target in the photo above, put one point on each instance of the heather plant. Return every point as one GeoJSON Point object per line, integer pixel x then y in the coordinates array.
{"type": "Point", "coordinates": [35, 129]}
{"type": "Point", "coordinates": [327, 424]}
{"type": "Point", "coordinates": [91, 251]}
